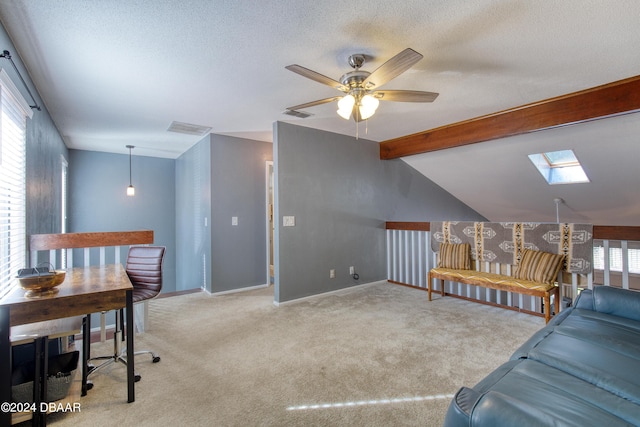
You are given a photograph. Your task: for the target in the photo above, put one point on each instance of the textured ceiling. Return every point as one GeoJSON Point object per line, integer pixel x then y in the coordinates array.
{"type": "Point", "coordinates": [115, 72]}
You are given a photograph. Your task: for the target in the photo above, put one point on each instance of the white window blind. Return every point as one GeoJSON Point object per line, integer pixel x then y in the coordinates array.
{"type": "Point", "coordinates": [13, 113]}
{"type": "Point", "coordinates": [63, 203]}
{"type": "Point", "coordinates": [615, 259]}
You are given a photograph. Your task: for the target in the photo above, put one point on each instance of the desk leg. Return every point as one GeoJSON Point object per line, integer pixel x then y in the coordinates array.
{"type": "Point", "coordinates": [86, 353]}
{"type": "Point", "coordinates": [130, 350]}
{"type": "Point", "coordinates": [40, 380]}
{"type": "Point", "coordinates": [5, 365]}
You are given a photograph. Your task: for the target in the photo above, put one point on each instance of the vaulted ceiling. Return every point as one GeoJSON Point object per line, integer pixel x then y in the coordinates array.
{"type": "Point", "coordinates": [113, 73]}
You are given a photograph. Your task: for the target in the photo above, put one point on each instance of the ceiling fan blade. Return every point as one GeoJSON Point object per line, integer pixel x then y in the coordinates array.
{"type": "Point", "coordinates": [393, 67]}
{"type": "Point", "coordinates": [405, 95]}
{"type": "Point", "coordinates": [320, 78]}
{"type": "Point", "coordinates": [314, 103]}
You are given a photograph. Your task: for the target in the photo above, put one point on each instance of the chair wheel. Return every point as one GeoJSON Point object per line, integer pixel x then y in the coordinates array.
{"type": "Point", "coordinates": [156, 359]}
{"type": "Point", "coordinates": [137, 377]}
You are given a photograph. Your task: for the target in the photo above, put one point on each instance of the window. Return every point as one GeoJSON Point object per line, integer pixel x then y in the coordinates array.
{"type": "Point", "coordinates": [13, 113]}
{"type": "Point", "coordinates": [63, 205]}
{"type": "Point", "coordinates": [559, 167]}
{"type": "Point", "coordinates": [615, 259]}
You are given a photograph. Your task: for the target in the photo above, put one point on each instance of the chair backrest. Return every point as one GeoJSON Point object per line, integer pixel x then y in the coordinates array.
{"type": "Point", "coordinates": [144, 268]}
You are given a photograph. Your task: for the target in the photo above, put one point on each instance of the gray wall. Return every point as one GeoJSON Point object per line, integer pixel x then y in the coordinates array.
{"type": "Point", "coordinates": [238, 185]}
{"type": "Point", "coordinates": [45, 148]}
{"type": "Point", "coordinates": [98, 200]}
{"type": "Point", "coordinates": [341, 194]}
{"type": "Point", "coordinates": [193, 207]}
{"type": "Point", "coordinates": [219, 178]}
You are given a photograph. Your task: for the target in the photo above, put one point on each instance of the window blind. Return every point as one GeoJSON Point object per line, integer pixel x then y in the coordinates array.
{"type": "Point", "coordinates": [615, 259]}
{"type": "Point", "coordinates": [13, 116]}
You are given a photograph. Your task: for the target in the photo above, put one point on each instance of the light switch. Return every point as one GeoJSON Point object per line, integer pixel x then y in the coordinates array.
{"type": "Point", "coordinates": [288, 221]}
{"type": "Point", "coordinates": [234, 220]}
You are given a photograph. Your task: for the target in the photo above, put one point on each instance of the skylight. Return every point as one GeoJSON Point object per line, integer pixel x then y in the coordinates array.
{"type": "Point", "coordinates": [559, 167]}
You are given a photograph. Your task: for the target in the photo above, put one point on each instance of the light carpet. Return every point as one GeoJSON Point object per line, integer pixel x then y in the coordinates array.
{"type": "Point", "coordinates": [375, 355]}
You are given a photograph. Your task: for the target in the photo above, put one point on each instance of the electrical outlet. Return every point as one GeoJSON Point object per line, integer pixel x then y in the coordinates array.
{"type": "Point", "coordinates": [352, 270]}
{"type": "Point", "coordinates": [234, 220]}
{"type": "Point", "coordinates": [332, 274]}
{"type": "Point", "coordinates": [288, 221]}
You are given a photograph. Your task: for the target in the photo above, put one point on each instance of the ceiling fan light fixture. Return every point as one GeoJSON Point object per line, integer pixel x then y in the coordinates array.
{"type": "Point", "coordinates": [345, 106]}
{"type": "Point", "coordinates": [368, 106]}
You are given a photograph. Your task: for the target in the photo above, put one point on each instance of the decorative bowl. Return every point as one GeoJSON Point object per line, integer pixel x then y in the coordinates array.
{"type": "Point", "coordinates": [43, 282]}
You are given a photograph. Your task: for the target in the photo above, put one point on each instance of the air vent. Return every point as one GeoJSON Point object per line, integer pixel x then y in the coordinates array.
{"type": "Point", "coordinates": [299, 114]}
{"type": "Point", "coordinates": [188, 128]}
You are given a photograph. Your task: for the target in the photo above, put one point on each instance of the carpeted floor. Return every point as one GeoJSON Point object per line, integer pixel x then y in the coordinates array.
{"type": "Point", "coordinates": [375, 355]}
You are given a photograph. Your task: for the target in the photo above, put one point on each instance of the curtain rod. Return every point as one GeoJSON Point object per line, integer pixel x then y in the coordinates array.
{"type": "Point", "coordinates": [6, 54]}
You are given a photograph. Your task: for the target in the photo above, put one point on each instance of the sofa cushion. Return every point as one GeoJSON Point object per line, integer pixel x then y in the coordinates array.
{"type": "Point", "coordinates": [539, 266]}
{"type": "Point", "coordinates": [606, 368]}
{"type": "Point", "coordinates": [455, 255]}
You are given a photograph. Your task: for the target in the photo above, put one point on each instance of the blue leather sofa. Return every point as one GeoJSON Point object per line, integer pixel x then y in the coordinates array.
{"type": "Point", "coordinates": [582, 369]}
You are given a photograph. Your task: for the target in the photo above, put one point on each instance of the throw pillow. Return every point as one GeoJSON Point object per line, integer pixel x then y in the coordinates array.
{"type": "Point", "coordinates": [455, 255]}
{"type": "Point", "coordinates": [538, 266]}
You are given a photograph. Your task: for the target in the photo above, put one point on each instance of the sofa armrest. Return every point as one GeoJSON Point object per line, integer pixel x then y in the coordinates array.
{"type": "Point", "coordinates": [585, 300]}
{"type": "Point", "coordinates": [460, 408]}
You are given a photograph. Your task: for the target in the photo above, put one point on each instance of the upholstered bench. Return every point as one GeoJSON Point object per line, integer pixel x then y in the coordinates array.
{"type": "Point", "coordinates": [534, 276]}
{"type": "Point", "coordinates": [499, 282]}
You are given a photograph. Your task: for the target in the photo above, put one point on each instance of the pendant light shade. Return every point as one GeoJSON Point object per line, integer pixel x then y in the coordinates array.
{"type": "Point", "coordinates": [368, 106]}
{"type": "Point", "coordinates": [345, 106]}
{"type": "Point", "coordinates": [131, 191]}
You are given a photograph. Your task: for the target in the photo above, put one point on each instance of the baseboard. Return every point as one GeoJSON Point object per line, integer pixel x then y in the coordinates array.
{"type": "Point", "coordinates": [234, 291]}
{"type": "Point", "coordinates": [178, 293]}
{"type": "Point", "coordinates": [324, 294]}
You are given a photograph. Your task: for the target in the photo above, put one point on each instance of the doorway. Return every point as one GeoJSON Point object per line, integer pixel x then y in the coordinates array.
{"type": "Point", "coordinates": [270, 221]}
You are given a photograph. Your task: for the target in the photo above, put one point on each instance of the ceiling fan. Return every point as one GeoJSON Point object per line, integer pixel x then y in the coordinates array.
{"type": "Point", "coordinates": [361, 87]}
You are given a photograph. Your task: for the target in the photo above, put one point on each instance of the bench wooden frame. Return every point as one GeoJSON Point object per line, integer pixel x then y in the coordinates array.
{"type": "Point", "coordinates": [498, 282]}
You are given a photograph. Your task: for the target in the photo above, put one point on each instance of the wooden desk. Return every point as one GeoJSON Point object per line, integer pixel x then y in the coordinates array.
{"type": "Point", "coordinates": [84, 291]}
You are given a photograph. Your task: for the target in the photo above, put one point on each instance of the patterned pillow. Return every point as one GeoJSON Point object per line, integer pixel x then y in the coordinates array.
{"type": "Point", "coordinates": [455, 255]}
{"type": "Point", "coordinates": [538, 266]}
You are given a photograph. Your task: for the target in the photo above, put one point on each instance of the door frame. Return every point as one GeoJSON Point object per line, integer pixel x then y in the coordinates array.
{"type": "Point", "coordinates": [270, 220]}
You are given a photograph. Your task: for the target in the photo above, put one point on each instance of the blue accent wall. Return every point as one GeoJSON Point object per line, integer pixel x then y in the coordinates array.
{"type": "Point", "coordinates": [98, 200]}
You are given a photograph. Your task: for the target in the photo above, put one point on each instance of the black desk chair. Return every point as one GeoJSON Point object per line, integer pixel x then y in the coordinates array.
{"type": "Point", "coordinates": [144, 268]}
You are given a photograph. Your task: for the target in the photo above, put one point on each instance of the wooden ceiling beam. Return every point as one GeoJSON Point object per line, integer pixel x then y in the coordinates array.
{"type": "Point", "coordinates": [612, 99]}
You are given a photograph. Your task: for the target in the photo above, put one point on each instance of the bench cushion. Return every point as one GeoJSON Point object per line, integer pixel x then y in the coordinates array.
{"type": "Point", "coordinates": [492, 280]}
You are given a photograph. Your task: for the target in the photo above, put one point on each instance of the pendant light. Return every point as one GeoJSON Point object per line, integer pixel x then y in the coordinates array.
{"type": "Point", "coordinates": [130, 190]}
